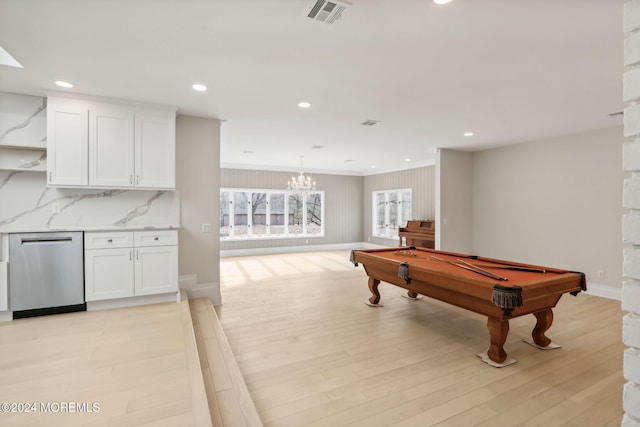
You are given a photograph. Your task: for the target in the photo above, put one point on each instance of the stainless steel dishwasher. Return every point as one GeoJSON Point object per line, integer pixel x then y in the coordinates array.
{"type": "Point", "coordinates": [46, 273]}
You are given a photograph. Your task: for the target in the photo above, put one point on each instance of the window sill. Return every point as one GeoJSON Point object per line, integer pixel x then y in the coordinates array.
{"type": "Point", "coordinates": [289, 237]}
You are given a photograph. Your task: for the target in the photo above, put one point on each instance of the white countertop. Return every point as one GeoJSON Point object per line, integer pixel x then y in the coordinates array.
{"type": "Point", "coordinates": [8, 229]}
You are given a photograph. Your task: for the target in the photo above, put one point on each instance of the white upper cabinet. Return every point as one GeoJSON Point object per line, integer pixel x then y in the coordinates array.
{"type": "Point", "coordinates": [67, 148]}
{"type": "Point", "coordinates": [111, 147]}
{"type": "Point", "coordinates": [155, 150]}
{"type": "Point", "coordinates": [114, 146]}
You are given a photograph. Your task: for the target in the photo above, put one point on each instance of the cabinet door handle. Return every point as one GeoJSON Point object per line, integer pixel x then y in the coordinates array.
{"type": "Point", "coordinates": [131, 255]}
{"type": "Point", "coordinates": [156, 238]}
{"type": "Point", "coordinates": [137, 255]}
{"type": "Point", "coordinates": [110, 240]}
{"type": "Point", "coordinates": [130, 179]}
{"type": "Point", "coordinates": [137, 179]}
{"type": "Point", "coordinates": [49, 176]}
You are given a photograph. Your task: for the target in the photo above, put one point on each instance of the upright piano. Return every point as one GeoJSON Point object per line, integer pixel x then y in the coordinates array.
{"type": "Point", "coordinates": [420, 233]}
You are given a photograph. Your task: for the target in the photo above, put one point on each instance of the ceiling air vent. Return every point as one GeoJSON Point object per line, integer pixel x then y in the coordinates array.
{"type": "Point", "coordinates": [327, 11]}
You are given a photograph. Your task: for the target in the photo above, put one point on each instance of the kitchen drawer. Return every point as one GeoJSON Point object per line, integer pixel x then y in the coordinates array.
{"type": "Point", "coordinates": [108, 239]}
{"type": "Point", "coordinates": [155, 238]}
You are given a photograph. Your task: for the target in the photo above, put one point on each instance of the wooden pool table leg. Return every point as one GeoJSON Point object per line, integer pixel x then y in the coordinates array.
{"type": "Point", "coordinates": [498, 330]}
{"type": "Point", "coordinates": [545, 319]}
{"type": "Point", "coordinates": [373, 287]}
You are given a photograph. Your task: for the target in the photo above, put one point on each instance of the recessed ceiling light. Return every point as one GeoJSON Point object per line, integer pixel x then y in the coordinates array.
{"type": "Point", "coordinates": [317, 147]}
{"type": "Point", "coordinates": [441, 1]}
{"type": "Point", "coordinates": [407, 159]}
{"type": "Point", "coordinates": [64, 84]}
{"type": "Point", "coordinates": [199, 87]}
{"type": "Point", "coordinates": [468, 134]}
{"type": "Point", "coordinates": [304, 104]}
{"type": "Point", "coordinates": [373, 166]}
{"type": "Point", "coordinates": [248, 152]}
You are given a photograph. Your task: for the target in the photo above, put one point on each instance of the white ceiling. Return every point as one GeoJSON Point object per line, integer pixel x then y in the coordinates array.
{"type": "Point", "coordinates": [509, 70]}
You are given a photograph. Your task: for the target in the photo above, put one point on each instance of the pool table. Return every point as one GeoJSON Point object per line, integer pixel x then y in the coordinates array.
{"type": "Point", "coordinates": [498, 289]}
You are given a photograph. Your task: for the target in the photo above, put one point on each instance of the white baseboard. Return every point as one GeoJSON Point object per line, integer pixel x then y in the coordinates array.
{"type": "Point", "coordinates": [187, 280]}
{"type": "Point", "coordinates": [192, 289]}
{"type": "Point", "coordinates": [205, 290]}
{"type": "Point", "coordinates": [605, 291]}
{"type": "Point", "coordinates": [133, 301]}
{"type": "Point", "coordinates": [6, 316]}
{"type": "Point", "coordinates": [305, 248]}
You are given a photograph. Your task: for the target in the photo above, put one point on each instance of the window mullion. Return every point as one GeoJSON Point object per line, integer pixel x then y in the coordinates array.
{"type": "Point", "coordinates": [232, 214]}
{"type": "Point", "coordinates": [398, 209]}
{"type": "Point", "coordinates": [386, 214]}
{"type": "Point", "coordinates": [249, 213]}
{"type": "Point", "coordinates": [286, 214]}
{"type": "Point", "coordinates": [267, 209]}
{"type": "Point", "coordinates": [304, 215]}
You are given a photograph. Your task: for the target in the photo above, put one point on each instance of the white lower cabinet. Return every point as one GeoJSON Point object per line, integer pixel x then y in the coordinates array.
{"type": "Point", "coordinates": [108, 273]}
{"type": "Point", "coordinates": [156, 270]}
{"type": "Point", "coordinates": [127, 264]}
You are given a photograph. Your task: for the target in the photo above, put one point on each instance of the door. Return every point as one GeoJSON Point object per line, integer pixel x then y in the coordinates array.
{"type": "Point", "coordinates": [111, 150]}
{"type": "Point", "coordinates": [156, 270]}
{"type": "Point", "coordinates": [109, 273]}
{"type": "Point", "coordinates": [155, 137]}
{"type": "Point", "coordinates": [67, 144]}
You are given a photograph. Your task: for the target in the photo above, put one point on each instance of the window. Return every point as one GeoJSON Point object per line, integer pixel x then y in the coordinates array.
{"type": "Point", "coordinates": [257, 214]}
{"type": "Point", "coordinates": [391, 210]}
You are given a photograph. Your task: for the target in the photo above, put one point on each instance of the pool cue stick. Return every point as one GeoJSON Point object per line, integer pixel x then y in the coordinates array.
{"type": "Point", "coordinates": [503, 266]}
{"type": "Point", "coordinates": [471, 268]}
{"type": "Point", "coordinates": [511, 267]}
{"type": "Point", "coordinates": [485, 272]}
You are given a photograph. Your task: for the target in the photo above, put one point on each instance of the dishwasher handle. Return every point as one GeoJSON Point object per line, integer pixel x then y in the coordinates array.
{"type": "Point", "coordinates": [37, 240]}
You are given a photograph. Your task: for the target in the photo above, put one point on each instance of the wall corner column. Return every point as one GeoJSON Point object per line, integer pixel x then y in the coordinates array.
{"type": "Point", "coordinates": [631, 220]}
{"type": "Point", "coordinates": [198, 180]}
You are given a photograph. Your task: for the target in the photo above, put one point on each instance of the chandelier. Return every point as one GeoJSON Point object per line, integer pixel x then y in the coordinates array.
{"type": "Point", "coordinates": [301, 184]}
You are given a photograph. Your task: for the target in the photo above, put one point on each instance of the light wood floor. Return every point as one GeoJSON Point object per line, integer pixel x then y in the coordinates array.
{"type": "Point", "coordinates": [230, 403]}
{"type": "Point", "coordinates": [313, 354]}
{"type": "Point", "coordinates": [133, 362]}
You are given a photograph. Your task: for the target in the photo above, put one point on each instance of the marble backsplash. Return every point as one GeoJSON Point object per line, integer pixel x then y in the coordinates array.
{"type": "Point", "coordinates": [23, 120]}
{"type": "Point", "coordinates": [27, 204]}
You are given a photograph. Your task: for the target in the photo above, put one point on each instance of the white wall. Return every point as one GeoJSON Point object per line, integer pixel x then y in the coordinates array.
{"type": "Point", "coordinates": [555, 202]}
{"type": "Point", "coordinates": [198, 179]}
{"type": "Point", "coordinates": [453, 200]}
{"type": "Point", "coordinates": [631, 200]}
